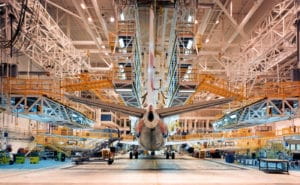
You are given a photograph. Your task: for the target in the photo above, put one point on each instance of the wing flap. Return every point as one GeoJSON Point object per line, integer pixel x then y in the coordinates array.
{"type": "Point", "coordinates": [165, 112]}
{"type": "Point", "coordinates": [132, 111]}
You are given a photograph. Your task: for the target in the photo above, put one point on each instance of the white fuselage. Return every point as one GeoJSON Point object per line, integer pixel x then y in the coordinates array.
{"type": "Point", "coordinates": [151, 130]}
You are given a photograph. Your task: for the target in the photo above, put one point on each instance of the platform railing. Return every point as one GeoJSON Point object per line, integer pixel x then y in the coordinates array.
{"type": "Point", "coordinates": [50, 88]}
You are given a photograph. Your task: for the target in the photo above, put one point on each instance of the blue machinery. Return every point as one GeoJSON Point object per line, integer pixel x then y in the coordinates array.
{"type": "Point", "coordinates": [263, 111]}
{"type": "Point", "coordinates": [43, 109]}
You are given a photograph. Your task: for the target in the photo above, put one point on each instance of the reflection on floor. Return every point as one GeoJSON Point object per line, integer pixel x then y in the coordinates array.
{"type": "Point", "coordinates": [149, 170]}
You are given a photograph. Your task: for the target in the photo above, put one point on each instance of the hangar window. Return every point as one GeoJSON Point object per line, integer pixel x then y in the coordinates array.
{"type": "Point", "coordinates": [106, 117]}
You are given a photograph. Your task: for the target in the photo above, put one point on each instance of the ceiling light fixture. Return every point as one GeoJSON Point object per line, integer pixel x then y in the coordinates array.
{"type": "Point", "coordinates": [123, 90]}
{"type": "Point", "coordinates": [90, 19]}
{"type": "Point", "coordinates": [190, 18]}
{"type": "Point", "coordinates": [189, 44]}
{"type": "Point", "coordinates": [103, 47]}
{"type": "Point", "coordinates": [83, 6]}
{"type": "Point", "coordinates": [187, 91]}
{"type": "Point", "coordinates": [232, 116]}
{"type": "Point", "coordinates": [217, 21]}
{"type": "Point", "coordinates": [121, 43]}
{"type": "Point", "coordinates": [196, 22]}
{"type": "Point", "coordinates": [106, 53]}
{"type": "Point", "coordinates": [122, 17]}
{"type": "Point", "coordinates": [112, 19]}
{"type": "Point", "coordinates": [206, 40]}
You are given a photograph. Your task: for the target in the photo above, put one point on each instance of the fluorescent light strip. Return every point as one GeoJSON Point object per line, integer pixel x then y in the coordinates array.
{"type": "Point", "coordinates": [122, 17]}
{"type": "Point", "coordinates": [190, 18]}
{"type": "Point", "coordinates": [187, 91]}
{"type": "Point", "coordinates": [123, 90]}
{"type": "Point", "coordinates": [121, 43]}
{"type": "Point", "coordinates": [189, 44]}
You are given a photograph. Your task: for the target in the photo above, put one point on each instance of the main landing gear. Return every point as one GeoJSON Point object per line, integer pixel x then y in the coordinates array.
{"type": "Point", "coordinates": [134, 154]}
{"type": "Point", "coordinates": [170, 153]}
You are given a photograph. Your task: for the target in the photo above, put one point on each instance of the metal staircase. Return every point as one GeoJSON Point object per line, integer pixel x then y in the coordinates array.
{"type": "Point", "coordinates": [217, 86]}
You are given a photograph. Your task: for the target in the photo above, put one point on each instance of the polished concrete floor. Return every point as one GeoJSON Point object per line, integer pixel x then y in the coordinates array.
{"type": "Point", "coordinates": [183, 170]}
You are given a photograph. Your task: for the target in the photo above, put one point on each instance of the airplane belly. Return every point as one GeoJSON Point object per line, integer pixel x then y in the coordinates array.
{"type": "Point", "coordinates": [151, 138]}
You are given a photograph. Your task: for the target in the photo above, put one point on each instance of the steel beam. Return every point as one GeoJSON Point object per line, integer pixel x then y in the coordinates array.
{"type": "Point", "coordinates": [240, 28]}
{"type": "Point", "coordinates": [45, 43]}
{"type": "Point", "coordinates": [63, 9]}
{"type": "Point", "coordinates": [102, 21]}
{"type": "Point", "coordinates": [219, 3]}
{"type": "Point", "coordinates": [261, 112]}
{"type": "Point", "coordinates": [92, 31]}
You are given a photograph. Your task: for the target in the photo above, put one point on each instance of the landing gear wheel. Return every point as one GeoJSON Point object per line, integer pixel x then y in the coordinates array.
{"type": "Point", "coordinates": [152, 153]}
{"type": "Point", "coordinates": [110, 161]}
{"type": "Point", "coordinates": [130, 155]}
{"type": "Point", "coordinates": [136, 155]}
{"type": "Point", "coordinates": [167, 155]}
{"type": "Point", "coordinates": [173, 155]}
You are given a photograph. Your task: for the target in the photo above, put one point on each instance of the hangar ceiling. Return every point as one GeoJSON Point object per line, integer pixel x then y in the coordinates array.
{"type": "Point", "coordinates": [244, 43]}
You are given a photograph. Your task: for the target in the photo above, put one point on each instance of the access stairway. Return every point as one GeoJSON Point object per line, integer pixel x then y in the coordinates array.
{"type": "Point", "coordinates": [215, 85]}
{"type": "Point", "coordinates": [86, 82]}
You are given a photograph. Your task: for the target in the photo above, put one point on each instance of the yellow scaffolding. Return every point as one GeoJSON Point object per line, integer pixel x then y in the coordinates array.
{"type": "Point", "coordinates": [243, 138]}
{"type": "Point", "coordinates": [42, 87]}
{"type": "Point", "coordinates": [95, 86]}
{"type": "Point", "coordinates": [278, 90]}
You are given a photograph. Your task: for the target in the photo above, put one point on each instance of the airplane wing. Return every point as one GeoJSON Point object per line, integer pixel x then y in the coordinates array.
{"type": "Point", "coordinates": [135, 142]}
{"type": "Point", "coordinates": [165, 112]}
{"type": "Point", "coordinates": [132, 111]}
{"type": "Point", "coordinates": [172, 143]}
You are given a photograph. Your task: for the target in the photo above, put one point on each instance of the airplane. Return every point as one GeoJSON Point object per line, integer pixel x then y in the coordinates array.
{"type": "Point", "coordinates": [151, 131]}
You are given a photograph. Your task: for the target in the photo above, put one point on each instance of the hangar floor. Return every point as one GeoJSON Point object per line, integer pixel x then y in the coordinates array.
{"type": "Point", "coordinates": [183, 170]}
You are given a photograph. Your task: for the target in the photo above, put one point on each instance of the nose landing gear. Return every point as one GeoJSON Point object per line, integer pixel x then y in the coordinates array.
{"type": "Point", "coordinates": [152, 153]}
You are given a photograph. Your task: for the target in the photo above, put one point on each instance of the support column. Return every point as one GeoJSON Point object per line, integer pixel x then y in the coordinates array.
{"type": "Point", "coordinates": [124, 125]}
{"type": "Point", "coordinates": [207, 125]}
{"type": "Point", "coordinates": [98, 117]}
{"type": "Point", "coordinates": [185, 125]}
{"type": "Point", "coordinates": [298, 32]}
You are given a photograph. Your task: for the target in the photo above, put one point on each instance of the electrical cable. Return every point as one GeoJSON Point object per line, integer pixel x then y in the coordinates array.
{"type": "Point", "coordinates": [13, 39]}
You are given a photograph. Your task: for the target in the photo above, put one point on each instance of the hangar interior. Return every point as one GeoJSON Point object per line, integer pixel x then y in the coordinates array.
{"type": "Point", "coordinates": [98, 50]}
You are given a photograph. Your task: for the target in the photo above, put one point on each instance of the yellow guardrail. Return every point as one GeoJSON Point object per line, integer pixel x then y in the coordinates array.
{"type": "Point", "coordinates": [42, 87]}
{"type": "Point", "coordinates": [240, 139]}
